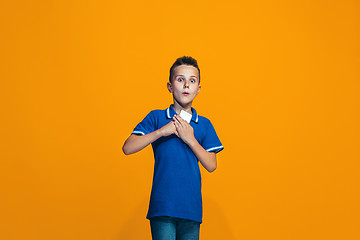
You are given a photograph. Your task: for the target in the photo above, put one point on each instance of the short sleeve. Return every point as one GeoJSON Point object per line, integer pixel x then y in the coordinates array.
{"type": "Point", "coordinates": [211, 142]}
{"type": "Point", "coordinates": [147, 125]}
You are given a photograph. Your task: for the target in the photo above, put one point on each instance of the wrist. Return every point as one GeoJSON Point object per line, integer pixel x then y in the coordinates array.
{"type": "Point", "coordinates": [158, 133]}
{"type": "Point", "coordinates": [192, 142]}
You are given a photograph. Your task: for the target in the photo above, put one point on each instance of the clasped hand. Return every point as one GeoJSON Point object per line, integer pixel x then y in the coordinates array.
{"type": "Point", "coordinates": [180, 128]}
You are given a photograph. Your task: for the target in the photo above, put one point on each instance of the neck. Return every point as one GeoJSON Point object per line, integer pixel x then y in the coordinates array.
{"type": "Point", "coordinates": [178, 107]}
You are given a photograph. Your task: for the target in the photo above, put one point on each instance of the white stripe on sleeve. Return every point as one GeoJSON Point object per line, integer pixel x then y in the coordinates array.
{"type": "Point", "coordinates": [138, 132]}
{"type": "Point", "coordinates": [214, 148]}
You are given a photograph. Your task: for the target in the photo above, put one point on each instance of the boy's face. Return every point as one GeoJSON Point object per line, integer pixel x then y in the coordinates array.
{"type": "Point", "coordinates": [185, 84]}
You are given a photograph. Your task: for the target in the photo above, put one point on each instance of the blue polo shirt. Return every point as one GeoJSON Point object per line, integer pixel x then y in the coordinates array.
{"type": "Point", "coordinates": [176, 189]}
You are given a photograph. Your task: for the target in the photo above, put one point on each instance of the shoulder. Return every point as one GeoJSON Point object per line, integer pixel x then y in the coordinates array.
{"type": "Point", "coordinates": [155, 114]}
{"type": "Point", "coordinates": [156, 111]}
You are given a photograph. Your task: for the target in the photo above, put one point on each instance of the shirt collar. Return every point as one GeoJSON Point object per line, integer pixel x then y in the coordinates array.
{"type": "Point", "coordinates": [170, 112]}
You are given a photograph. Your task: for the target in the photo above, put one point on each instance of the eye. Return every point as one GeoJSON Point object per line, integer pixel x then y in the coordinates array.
{"type": "Point", "coordinates": [180, 79]}
{"type": "Point", "coordinates": [193, 80]}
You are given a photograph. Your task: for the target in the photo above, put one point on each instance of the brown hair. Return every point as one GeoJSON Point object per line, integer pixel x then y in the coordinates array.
{"type": "Point", "coordinates": [185, 60]}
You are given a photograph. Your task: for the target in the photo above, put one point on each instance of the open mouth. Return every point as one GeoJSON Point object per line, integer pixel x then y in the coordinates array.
{"type": "Point", "coordinates": [186, 93]}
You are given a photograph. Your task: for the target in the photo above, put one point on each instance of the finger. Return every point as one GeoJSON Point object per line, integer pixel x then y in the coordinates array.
{"type": "Point", "coordinates": [174, 126]}
{"type": "Point", "coordinates": [176, 133]}
{"type": "Point", "coordinates": [182, 121]}
{"type": "Point", "coordinates": [177, 125]}
{"type": "Point", "coordinates": [185, 123]}
{"type": "Point", "coordinates": [177, 120]}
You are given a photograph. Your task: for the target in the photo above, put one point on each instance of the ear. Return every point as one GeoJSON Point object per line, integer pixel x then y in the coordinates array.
{"type": "Point", "coordinates": [199, 88]}
{"type": "Point", "coordinates": [169, 87]}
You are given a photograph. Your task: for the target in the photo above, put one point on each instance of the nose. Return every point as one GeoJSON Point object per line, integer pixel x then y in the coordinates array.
{"type": "Point", "coordinates": [186, 84]}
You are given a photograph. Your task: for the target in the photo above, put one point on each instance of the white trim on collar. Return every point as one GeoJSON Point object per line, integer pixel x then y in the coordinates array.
{"type": "Point", "coordinates": [168, 112]}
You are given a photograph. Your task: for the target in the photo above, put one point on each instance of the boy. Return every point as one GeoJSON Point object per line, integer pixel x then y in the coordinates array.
{"type": "Point", "coordinates": [175, 209]}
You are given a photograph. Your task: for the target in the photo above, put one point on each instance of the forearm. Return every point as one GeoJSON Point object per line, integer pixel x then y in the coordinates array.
{"type": "Point", "coordinates": [186, 133]}
{"type": "Point", "coordinates": [135, 143]}
{"type": "Point", "coordinates": [207, 159]}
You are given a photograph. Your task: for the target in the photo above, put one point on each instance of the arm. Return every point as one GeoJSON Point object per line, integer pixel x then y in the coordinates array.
{"type": "Point", "coordinates": [135, 143]}
{"type": "Point", "coordinates": [186, 133]}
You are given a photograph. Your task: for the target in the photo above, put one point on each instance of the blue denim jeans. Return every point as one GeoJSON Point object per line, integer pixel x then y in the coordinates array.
{"type": "Point", "coordinates": [170, 228]}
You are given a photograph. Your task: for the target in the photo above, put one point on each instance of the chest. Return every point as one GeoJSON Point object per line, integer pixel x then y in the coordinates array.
{"type": "Point", "coordinates": [199, 131]}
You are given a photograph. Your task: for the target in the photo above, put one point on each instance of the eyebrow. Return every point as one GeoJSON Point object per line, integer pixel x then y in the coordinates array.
{"type": "Point", "coordinates": [184, 76]}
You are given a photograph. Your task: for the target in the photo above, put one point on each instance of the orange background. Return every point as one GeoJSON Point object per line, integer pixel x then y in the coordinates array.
{"type": "Point", "coordinates": [280, 83]}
